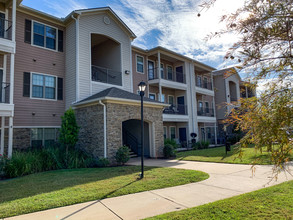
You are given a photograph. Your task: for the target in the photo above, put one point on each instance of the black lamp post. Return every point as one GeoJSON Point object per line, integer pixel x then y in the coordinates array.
{"type": "Point", "coordinates": [142, 87]}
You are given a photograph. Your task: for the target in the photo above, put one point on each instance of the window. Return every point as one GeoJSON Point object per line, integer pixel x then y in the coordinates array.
{"type": "Point", "coordinates": [198, 81]}
{"type": "Point", "coordinates": [207, 107]}
{"type": "Point", "coordinates": [43, 136]}
{"type": "Point", "coordinates": [139, 64]}
{"type": "Point", "coordinates": [172, 132]}
{"type": "Point", "coordinates": [200, 107]}
{"type": "Point", "coordinates": [44, 36]}
{"type": "Point", "coordinates": [170, 72]}
{"type": "Point", "coordinates": [205, 82]}
{"type": "Point", "coordinates": [163, 98]}
{"type": "Point", "coordinates": [43, 86]}
{"type": "Point", "coordinates": [152, 96]}
{"type": "Point", "coordinates": [165, 132]}
{"type": "Point", "coordinates": [162, 71]}
{"type": "Point", "coordinates": [171, 99]}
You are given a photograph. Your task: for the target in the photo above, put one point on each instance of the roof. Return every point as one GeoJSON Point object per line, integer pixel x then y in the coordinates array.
{"type": "Point", "coordinates": [116, 93]}
{"type": "Point", "coordinates": [229, 71]}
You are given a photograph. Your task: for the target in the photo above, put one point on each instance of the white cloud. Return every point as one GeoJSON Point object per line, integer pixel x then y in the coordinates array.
{"type": "Point", "coordinates": [62, 8]}
{"type": "Point", "coordinates": [181, 29]}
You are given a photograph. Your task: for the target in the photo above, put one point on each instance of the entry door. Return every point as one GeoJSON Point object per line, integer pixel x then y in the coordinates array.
{"type": "Point", "coordinates": [182, 135]}
{"type": "Point", "coordinates": [2, 24]}
{"type": "Point", "coordinates": [181, 105]}
{"type": "Point", "coordinates": [179, 74]}
{"type": "Point", "coordinates": [151, 70]}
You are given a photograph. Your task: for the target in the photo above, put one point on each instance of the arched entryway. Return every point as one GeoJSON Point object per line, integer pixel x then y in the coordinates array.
{"type": "Point", "coordinates": [131, 136]}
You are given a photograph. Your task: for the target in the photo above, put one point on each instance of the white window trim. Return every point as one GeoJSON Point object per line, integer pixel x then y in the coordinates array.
{"type": "Point", "coordinates": [32, 36]}
{"type": "Point", "coordinates": [142, 64]}
{"type": "Point", "coordinates": [153, 94]}
{"type": "Point", "coordinates": [173, 99]}
{"type": "Point", "coordinates": [170, 131]}
{"type": "Point", "coordinates": [31, 86]}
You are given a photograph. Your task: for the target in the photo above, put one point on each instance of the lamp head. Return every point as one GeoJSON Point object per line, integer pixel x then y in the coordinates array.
{"type": "Point", "coordinates": [142, 86]}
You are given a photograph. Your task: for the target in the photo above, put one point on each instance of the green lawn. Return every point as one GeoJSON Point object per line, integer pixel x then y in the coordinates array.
{"type": "Point", "coordinates": [218, 155]}
{"type": "Point", "coordinates": [275, 202]}
{"type": "Point", "coordinates": [66, 187]}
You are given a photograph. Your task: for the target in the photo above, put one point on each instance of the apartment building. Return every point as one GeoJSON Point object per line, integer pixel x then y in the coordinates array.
{"type": "Point", "coordinates": [86, 61]}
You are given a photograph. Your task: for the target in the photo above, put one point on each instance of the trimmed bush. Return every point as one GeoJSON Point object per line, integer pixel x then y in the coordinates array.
{"type": "Point", "coordinates": [168, 151]}
{"type": "Point", "coordinates": [3, 161]}
{"type": "Point", "coordinates": [171, 142]}
{"type": "Point", "coordinates": [103, 162]}
{"type": "Point", "coordinates": [122, 155]}
{"type": "Point", "coordinates": [201, 145]}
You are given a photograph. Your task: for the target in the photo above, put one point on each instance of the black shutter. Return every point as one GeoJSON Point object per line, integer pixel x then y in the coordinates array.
{"type": "Point", "coordinates": [60, 89]}
{"type": "Point", "coordinates": [26, 84]}
{"type": "Point", "coordinates": [60, 41]}
{"type": "Point", "coordinates": [28, 31]}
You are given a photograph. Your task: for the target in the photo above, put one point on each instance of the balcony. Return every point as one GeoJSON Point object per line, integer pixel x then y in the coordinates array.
{"type": "Point", "coordinates": [5, 29]}
{"type": "Point", "coordinates": [166, 74]}
{"type": "Point", "coordinates": [176, 110]}
{"type": "Point", "coordinates": [208, 112]}
{"type": "Point", "coordinates": [204, 85]}
{"type": "Point", "coordinates": [104, 75]}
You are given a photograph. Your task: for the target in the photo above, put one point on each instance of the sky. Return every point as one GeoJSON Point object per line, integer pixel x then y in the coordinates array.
{"type": "Point", "coordinates": [172, 24]}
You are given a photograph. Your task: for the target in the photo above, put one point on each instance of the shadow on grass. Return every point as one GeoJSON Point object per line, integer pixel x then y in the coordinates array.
{"type": "Point", "coordinates": [95, 202]}
{"type": "Point", "coordinates": [46, 182]}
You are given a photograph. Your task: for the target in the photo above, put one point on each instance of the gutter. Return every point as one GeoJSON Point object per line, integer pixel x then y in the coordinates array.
{"type": "Point", "coordinates": [77, 55]}
{"type": "Point", "coordinates": [105, 129]}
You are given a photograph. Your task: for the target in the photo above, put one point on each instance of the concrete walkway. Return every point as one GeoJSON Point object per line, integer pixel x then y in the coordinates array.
{"type": "Point", "coordinates": [226, 180]}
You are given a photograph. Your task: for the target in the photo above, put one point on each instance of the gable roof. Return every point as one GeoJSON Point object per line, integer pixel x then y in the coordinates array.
{"type": "Point", "coordinates": [114, 93]}
{"type": "Point", "coordinates": [229, 71]}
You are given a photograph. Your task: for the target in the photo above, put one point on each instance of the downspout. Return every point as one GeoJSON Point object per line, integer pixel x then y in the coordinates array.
{"type": "Point", "coordinates": [77, 55]}
{"type": "Point", "coordinates": [105, 129]}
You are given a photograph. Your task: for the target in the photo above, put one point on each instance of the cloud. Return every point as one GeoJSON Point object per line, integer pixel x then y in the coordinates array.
{"type": "Point", "coordinates": [180, 28]}
{"type": "Point", "coordinates": [62, 8]}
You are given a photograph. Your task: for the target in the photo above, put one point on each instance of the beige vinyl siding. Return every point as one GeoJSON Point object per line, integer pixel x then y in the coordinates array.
{"type": "Point", "coordinates": [47, 112]}
{"type": "Point", "coordinates": [95, 24]}
{"type": "Point", "coordinates": [220, 96]}
{"type": "Point", "coordinates": [70, 61]}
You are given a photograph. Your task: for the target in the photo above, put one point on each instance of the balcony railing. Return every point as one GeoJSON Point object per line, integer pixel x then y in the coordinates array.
{"type": "Point", "coordinates": [176, 110]}
{"type": "Point", "coordinates": [5, 29]}
{"type": "Point", "coordinates": [204, 85]}
{"type": "Point", "coordinates": [205, 112]}
{"type": "Point", "coordinates": [167, 75]}
{"type": "Point", "coordinates": [104, 75]}
{"type": "Point", "coordinates": [4, 93]}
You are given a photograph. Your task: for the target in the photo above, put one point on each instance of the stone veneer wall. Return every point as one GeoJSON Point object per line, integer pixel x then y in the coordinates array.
{"type": "Point", "coordinates": [91, 134]}
{"type": "Point", "coordinates": [90, 119]}
{"type": "Point", "coordinates": [117, 113]}
{"type": "Point", "coordinates": [21, 139]}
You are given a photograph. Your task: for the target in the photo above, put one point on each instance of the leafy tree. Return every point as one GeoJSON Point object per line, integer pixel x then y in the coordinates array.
{"type": "Point", "coordinates": [264, 48]}
{"type": "Point", "coordinates": [69, 131]}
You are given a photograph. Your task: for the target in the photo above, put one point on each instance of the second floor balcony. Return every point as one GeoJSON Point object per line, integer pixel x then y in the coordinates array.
{"type": "Point", "coordinates": [5, 28]}
{"type": "Point", "coordinates": [4, 93]}
{"type": "Point", "coordinates": [208, 112]}
{"type": "Point", "coordinates": [167, 74]}
{"type": "Point", "coordinates": [104, 75]}
{"type": "Point", "coordinates": [176, 110]}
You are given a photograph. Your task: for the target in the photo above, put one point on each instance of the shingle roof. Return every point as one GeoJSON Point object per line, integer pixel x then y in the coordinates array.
{"type": "Point", "coordinates": [114, 92]}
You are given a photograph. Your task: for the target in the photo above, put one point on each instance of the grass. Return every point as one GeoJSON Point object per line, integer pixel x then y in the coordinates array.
{"type": "Point", "coordinates": [66, 187]}
{"type": "Point", "coordinates": [218, 155]}
{"type": "Point", "coordinates": [274, 202]}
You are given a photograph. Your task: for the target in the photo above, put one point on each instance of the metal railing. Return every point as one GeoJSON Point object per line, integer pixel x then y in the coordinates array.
{"type": "Point", "coordinates": [5, 29]}
{"type": "Point", "coordinates": [4, 93]}
{"type": "Point", "coordinates": [176, 110]}
{"type": "Point", "coordinates": [167, 75]}
{"type": "Point", "coordinates": [204, 85]}
{"type": "Point", "coordinates": [206, 112]}
{"type": "Point", "coordinates": [104, 75]}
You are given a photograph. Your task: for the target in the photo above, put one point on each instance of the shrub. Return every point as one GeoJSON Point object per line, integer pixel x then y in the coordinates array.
{"type": "Point", "coordinates": [122, 155]}
{"type": "Point", "coordinates": [171, 142]}
{"type": "Point", "coordinates": [168, 151]}
{"type": "Point", "coordinates": [103, 162]}
{"type": "Point", "coordinates": [201, 145]}
{"type": "Point", "coordinates": [3, 161]}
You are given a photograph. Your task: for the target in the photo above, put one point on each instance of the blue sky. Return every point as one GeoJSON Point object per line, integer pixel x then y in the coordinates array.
{"type": "Point", "coordinates": [169, 23]}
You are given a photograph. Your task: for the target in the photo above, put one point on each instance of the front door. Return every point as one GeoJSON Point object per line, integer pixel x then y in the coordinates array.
{"type": "Point", "coordinates": [182, 135]}
{"type": "Point", "coordinates": [179, 74]}
{"type": "Point", "coordinates": [151, 70]}
{"type": "Point", "coordinates": [181, 105]}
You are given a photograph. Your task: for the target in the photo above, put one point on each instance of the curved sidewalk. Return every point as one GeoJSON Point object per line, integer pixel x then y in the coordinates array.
{"type": "Point", "coordinates": [226, 180]}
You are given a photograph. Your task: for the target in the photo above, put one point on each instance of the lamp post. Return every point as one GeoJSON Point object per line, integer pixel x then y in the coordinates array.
{"type": "Point", "coordinates": [142, 87]}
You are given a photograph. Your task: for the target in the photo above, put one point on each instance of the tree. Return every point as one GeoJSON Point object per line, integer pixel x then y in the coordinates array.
{"type": "Point", "coordinates": [264, 48]}
{"type": "Point", "coordinates": [69, 131]}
